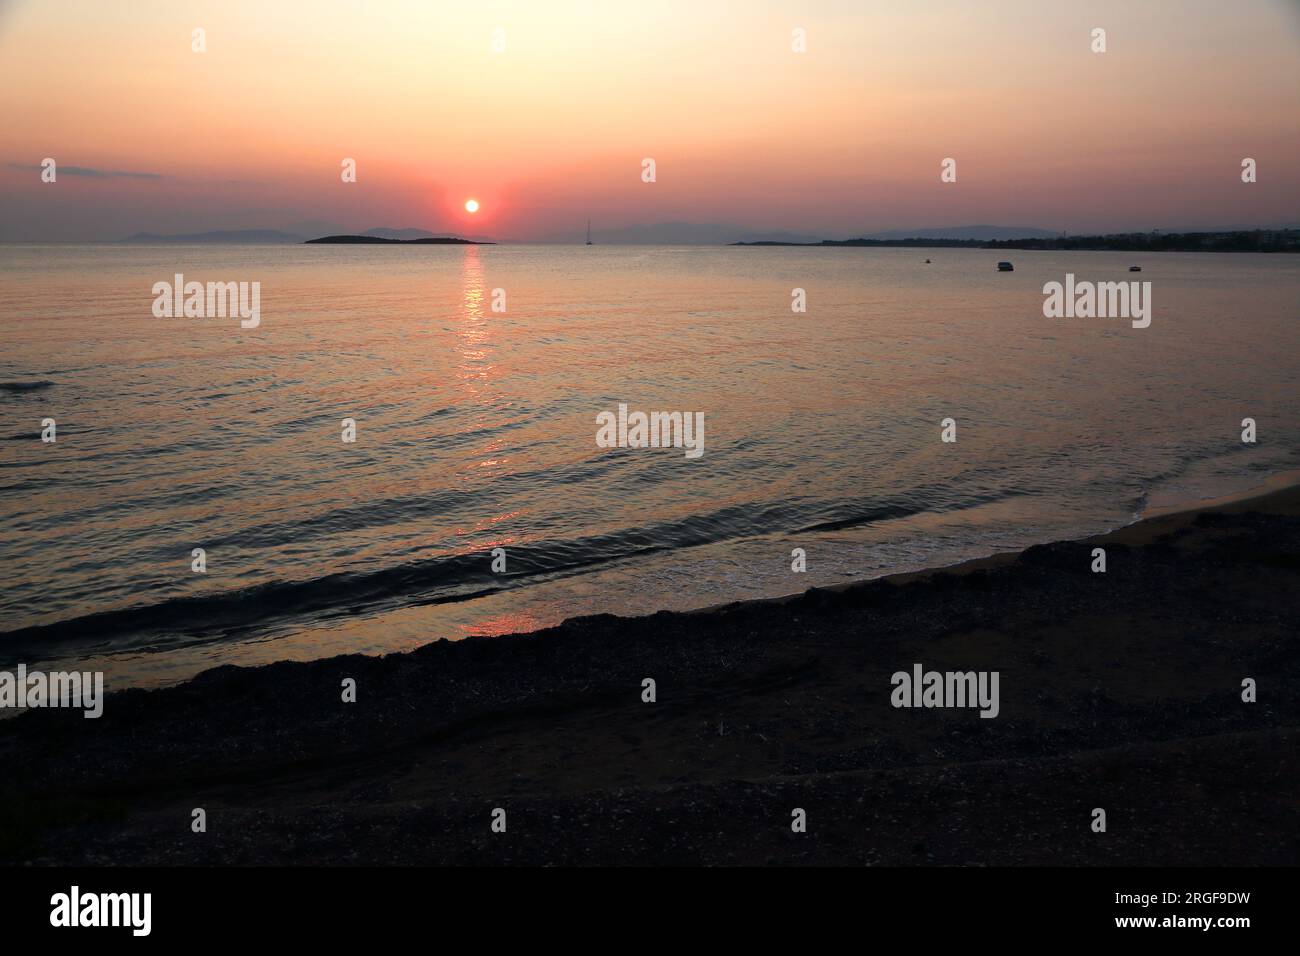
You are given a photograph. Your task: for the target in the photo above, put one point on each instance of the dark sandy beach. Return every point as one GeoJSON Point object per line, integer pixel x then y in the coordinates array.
{"type": "Point", "coordinates": [1119, 690]}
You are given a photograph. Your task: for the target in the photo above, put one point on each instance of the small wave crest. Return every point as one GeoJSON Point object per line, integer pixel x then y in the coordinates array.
{"type": "Point", "coordinates": [35, 386]}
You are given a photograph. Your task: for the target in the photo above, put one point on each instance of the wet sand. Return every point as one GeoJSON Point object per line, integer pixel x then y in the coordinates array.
{"type": "Point", "coordinates": [1119, 690]}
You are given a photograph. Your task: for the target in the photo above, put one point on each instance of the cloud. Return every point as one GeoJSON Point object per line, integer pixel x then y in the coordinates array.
{"type": "Point", "coordinates": [90, 173]}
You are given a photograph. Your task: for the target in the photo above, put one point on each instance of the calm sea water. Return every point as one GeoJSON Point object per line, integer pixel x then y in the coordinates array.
{"type": "Point", "coordinates": [476, 429]}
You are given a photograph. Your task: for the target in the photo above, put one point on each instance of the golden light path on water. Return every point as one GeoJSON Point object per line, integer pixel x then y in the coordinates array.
{"type": "Point", "coordinates": [476, 426]}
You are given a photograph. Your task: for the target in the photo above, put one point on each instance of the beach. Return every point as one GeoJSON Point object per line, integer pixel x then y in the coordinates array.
{"type": "Point", "coordinates": [1120, 690]}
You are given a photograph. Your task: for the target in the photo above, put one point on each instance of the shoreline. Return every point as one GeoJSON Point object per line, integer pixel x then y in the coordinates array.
{"type": "Point", "coordinates": [108, 660]}
{"type": "Point", "coordinates": [1154, 521]}
{"type": "Point", "coordinates": [1118, 690]}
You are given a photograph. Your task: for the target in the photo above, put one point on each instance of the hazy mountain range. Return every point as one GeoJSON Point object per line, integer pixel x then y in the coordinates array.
{"type": "Point", "coordinates": [960, 232]}
{"type": "Point", "coordinates": [228, 236]}
{"type": "Point", "coordinates": [713, 234]}
{"type": "Point", "coordinates": [265, 236]}
{"type": "Point", "coordinates": [664, 233]}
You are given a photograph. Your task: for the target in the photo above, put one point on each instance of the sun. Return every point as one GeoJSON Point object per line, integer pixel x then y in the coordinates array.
{"type": "Point", "coordinates": [471, 205]}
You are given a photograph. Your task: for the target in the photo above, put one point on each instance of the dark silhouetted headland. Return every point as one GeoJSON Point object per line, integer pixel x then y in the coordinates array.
{"type": "Point", "coordinates": [1254, 240]}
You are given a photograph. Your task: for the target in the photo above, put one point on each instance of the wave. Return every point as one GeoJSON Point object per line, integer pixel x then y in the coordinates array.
{"type": "Point", "coordinates": [234, 614]}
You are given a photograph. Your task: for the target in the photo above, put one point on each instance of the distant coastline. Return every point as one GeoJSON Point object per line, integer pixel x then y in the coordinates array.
{"type": "Point", "coordinates": [1280, 237]}
{"type": "Point", "coordinates": [1256, 240]}
{"type": "Point", "coordinates": [380, 240]}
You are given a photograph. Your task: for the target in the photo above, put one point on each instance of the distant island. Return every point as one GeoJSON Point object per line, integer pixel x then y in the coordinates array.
{"type": "Point", "coordinates": [1254, 240]}
{"type": "Point", "coordinates": [381, 240]}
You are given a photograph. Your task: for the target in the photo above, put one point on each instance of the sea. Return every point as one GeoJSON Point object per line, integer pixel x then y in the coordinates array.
{"type": "Point", "coordinates": [475, 498]}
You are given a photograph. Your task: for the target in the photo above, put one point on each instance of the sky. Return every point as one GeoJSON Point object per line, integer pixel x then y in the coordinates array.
{"type": "Point", "coordinates": [552, 129]}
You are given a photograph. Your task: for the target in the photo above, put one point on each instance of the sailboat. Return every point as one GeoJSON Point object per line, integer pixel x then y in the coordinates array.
{"type": "Point", "coordinates": [588, 232]}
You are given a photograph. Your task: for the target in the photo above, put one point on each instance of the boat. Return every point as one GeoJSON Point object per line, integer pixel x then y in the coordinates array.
{"type": "Point", "coordinates": [588, 232]}
{"type": "Point", "coordinates": [1134, 268]}
{"type": "Point", "coordinates": [1006, 267]}
{"type": "Point", "coordinates": [927, 262]}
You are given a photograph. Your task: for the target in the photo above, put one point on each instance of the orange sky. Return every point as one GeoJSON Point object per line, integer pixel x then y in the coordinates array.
{"type": "Point", "coordinates": [843, 139]}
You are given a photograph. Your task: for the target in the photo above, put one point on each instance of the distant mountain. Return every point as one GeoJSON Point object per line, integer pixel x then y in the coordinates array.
{"type": "Point", "coordinates": [406, 235]}
{"type": "Point", "coordinates": [315, 227]}
{"type": "Point", "coordinates": [383, 232]}
{"type": "Point", "coordinates": [383, 241]}
{"type": "Point", "coordinates": [275, 235]}
{"type": "Point", "coordinates": [666, 234]}
{"type": "Point", "coordinates": [677, 234]}
{"type": "Point", "coordinates": [964, 232]}
{"type": "Point", "coordinates": [226, 235]}
{"type": "Point", "coordinates": [777, 236]}
{"type": "Point", "coordinates": [721, 233]}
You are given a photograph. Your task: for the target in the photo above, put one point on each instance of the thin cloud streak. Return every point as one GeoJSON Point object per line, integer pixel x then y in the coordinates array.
{"type": "Point", "coordinates": [89, 172]}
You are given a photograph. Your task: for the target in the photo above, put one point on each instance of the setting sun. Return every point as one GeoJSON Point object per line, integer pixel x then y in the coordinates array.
{"type": "Point", "coordinates": [471, 205]}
